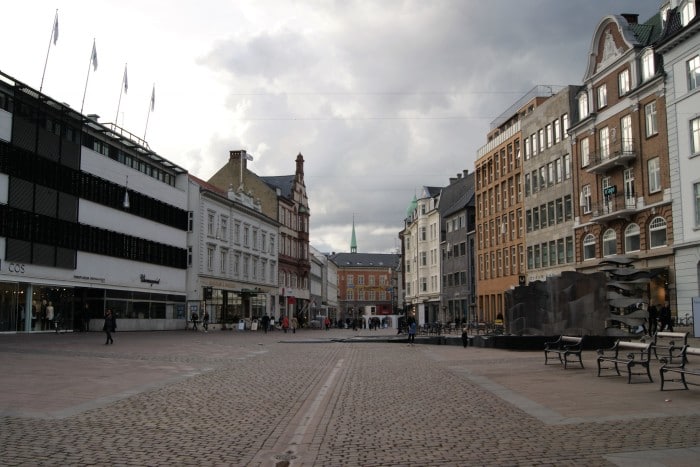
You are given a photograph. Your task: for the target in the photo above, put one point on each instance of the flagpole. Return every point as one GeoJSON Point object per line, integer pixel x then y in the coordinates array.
{"type": "Point", "coordinates": [150, 108]}
{"type": "Point", "coordinates": [121, 90]}
{"type": "Point", "coordinates": [93, 62]}
{"type": "Point", "coordinates": [53, 38]}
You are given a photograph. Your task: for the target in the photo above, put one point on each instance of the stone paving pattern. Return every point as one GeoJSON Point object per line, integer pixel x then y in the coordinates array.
{"type": "Point", "coordinates": [327, 398]}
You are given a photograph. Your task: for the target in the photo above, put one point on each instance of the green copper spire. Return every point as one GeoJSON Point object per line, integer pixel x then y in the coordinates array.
{"type": "Point", "coordinates": [353, 240]}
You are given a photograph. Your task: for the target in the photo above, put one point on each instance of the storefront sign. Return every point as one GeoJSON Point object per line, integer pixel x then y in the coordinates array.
{"type": "Point", "coordinates": [90, 278]}
{"type": "Point", "coordinates": [149, 281]}
{"type": "Point", "coordinates": [16, 268]}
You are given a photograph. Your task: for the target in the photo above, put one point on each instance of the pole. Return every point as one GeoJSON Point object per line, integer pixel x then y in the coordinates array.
{"type": "Point", "coordinates": [53, 38]}
{"type": "Point", "coordinates": [150, 108]}
{"type": "Point", "coordinates": [121, 90]}
{"type": "Point", "coordinates": [92, 62]}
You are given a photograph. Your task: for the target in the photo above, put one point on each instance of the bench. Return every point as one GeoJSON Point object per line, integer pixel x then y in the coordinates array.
{"type": "Point", "coordinates": [630, 354]}
{"type": "Point", "coordinates": [563, 348]}
{"type": "Point", "coordinates": [683, 368]}
{"type": "Point", "coordinates": [665, 341]}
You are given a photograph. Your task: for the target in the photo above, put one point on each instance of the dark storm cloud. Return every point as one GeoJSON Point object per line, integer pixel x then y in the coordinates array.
{"type": "Point", "coordinates": [385, 97]}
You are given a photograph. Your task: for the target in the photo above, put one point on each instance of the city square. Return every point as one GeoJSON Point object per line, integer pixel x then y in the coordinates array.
{"type": "Point", "coordinates": [314, 397]}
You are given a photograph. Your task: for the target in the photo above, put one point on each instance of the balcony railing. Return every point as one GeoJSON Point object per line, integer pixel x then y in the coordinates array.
{"type": "Point", "coordinates": [620, 153]}
{"type": "Point", "coordinates": [618, 206]}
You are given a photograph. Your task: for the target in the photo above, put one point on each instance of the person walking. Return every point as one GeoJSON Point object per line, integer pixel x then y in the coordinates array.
{"type": "Point", "coordinates": [110, 326]}
{"type": "Point", "coordinates": [285, 324]}
{"type": "Point", "coordinates": [412, 333]}
{"type": "Point", "coordinates": [195, 320]}
{"type": "Point", "coordinates": [265, 322]}
{"type": "Point", "coordinates": [205, 321]}
{"type": "Point", "coordinates": [465, 337]}
{"type": "Point", "coordinates": [294, 324]}
{"type": "Point", "coordinates": [665, 318]}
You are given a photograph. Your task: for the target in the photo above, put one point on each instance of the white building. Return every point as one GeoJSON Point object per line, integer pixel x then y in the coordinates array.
{"type": "Point", "coordinates": [232, 256]}
{"type": "Point", "coordinates": [680, 48]}
{"type": "Point", "coordinates": [90, 218]}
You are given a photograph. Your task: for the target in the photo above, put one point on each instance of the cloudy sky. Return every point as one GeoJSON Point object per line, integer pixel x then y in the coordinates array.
{"type": "Point", "coordinates": [381, 97]}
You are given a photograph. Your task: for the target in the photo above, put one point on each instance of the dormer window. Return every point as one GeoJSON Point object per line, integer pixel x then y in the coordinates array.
{"type": "Point", "coordinates": [647, 65]}
{"type": "Point", "coordinates": [687, 12]}
{"type": "Point", "coordinates": [583, 106]}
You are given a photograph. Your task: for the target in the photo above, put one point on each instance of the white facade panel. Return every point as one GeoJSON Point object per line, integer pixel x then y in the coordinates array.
{"type": "Point", "coordinates": [5, 125]}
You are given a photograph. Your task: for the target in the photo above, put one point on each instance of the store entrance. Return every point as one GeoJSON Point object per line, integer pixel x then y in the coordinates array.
{"type": "Point", "coordinates": [10, 307]}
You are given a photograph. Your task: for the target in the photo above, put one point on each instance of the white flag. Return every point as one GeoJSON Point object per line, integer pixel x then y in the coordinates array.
{"type": "Point", "coordinates": [93, 57]}
{"type": "Point", "coordinates": [153, 98]}
{"type": "Point", "coordinates": [126, 81]}
{"type": "Point", "coordinates": [55, 29]}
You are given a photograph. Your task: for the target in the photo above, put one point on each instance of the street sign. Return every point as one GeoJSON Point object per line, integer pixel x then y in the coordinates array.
{"type": "Point", "coordinates": [609, 190]}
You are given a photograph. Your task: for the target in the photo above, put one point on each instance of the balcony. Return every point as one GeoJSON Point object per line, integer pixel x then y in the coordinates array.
{"type": "Point", "coordinates": [621, 154]}
{"type": "Point", "coordinates": [616, 206]}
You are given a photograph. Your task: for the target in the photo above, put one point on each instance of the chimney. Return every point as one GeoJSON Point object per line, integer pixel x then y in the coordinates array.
{"type": "Point", "coordinates": [465, 172]}
{"type": "Point", "coordinates": [93, 117]}
{"type": "Point", "coordinates": [631, 18]}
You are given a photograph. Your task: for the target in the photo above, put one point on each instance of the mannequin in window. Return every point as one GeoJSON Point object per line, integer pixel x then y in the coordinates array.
{"type": "Point", "coordinates": [49, 315]}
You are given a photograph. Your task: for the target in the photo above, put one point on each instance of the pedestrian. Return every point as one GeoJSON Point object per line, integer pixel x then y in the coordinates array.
{"type": "Point", "coordinates": [653, 318]}
{"type": "Point", "coordinates": [195, 320]}
{"type": "Point", "coordinates": [294, 323]}
{"type": "Point", "coordinates": [412, 333]}
{"type": "Point", "coordinates": [205, 321]}
{"type": "Point", "coordinates": [110, 326]}
{"type": "Point", "coordinates": [465, 337]}
{"type": "Point", "coordinates": [265, 323]}
{"type": "Point", "coordinates": [665, 318]}
{"type": "Point", "coordinates": [327, 323]}
{"type": "Point", "coordinates": [285, 324]}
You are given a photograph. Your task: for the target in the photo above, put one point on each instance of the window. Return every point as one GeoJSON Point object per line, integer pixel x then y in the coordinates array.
{"type": "Point", "coordinates": [559, 210]}
{"type": "Point", "coordinates": [536, 218]}
{"type": "Point", "coordinates": [609, 243]}
{"type": "Point", "coordinates": [687, 12]}
{"type": "Point", "coordinates": [557, 171]}
{"type": "Point", "coordinates": [588, 247]}
{"type": "Point", "coordinates": [626, 130]}
{"type": "Point", "coordinates": [695, 136]}
{"type": "Point", "coordinates": [586, 199]}
{"type": "Point", "coordinates": [533, 140]}
{"type": "Point", "coordinates": [210, 258]}
{"type": "Point", "coordinates": [527, 149]}
{"type": "Point", "coordinates": [550, 174]}
{"type": "Point", "coordinates": [632, 238]}
{"type": "Point", "coordinates": [557, 131]}
{"type": "Point", "coordinates": [696, 192]}
{"type": "Point", "coordinates": [604, 137]}
{"type": "Point", "coordinates": [210, 223]}
{"type": "Point", "coordinates": [647, 65]}
{"type": "Point", "coordinates": [551, 218]}
{"type": "Point", "coordinates": [585, 153]}
{"type": "Point", "coordinates": [224, 261]}
{"type": "Point", "coordinates": [527, 184]}
{"type": "Point", "coordinates": [654, 171]}
{"type": "Point", "coordinates": [570, 249]}
{"type": "Point", "coordinates": [565, 125]}
{"type": "Point", "coordinates": [583, 106]}
{"type": "Point", "coordinates": [543, 177]}
{"type": "Point", "coordinates": [541, 143]}
{"type": "Point", "coordinates": [623, 82]}
{"type": "Point", "coordinates": [567, 166]}
{"type": "Point", "coordinates": [224, 228]}
{"type": "Point", "coordinates": [602, 96]}
{"type": "Point", "coordinates": [693, 68]}
{"type": "Point", "coordinates": [650, 114]}
{"type": "Point", "coordinates": [568, 208]}
{"type": "Point", "coordinates": [550, 137]}
{"type": "Point", "coordinates": [657, 232]}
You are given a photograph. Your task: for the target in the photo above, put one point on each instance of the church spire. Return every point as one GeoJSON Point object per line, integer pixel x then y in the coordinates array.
{"type": "Point", "coordinates": [353, 240]}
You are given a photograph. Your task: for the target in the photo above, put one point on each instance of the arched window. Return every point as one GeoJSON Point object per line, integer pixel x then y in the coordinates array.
{"type": "Point", "coordinates": [632, 238]}
{"type": "Point", "coordinates": [609, 243]}
{"type": "Point", "coordinates": [589, 247]}
{"type": "Point", "coordinates": [657, 232]}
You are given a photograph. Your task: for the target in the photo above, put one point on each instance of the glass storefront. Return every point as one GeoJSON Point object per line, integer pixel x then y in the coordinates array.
{"type": "Point", "coordinates": [35, 308]}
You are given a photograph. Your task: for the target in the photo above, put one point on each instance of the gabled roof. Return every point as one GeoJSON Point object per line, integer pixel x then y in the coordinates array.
{"type": "Point", "coordinates": [207, 185]}
{"type": "Point", "coordinates": [648, 32]}
{"type": "Point", "coordinates": [365, 260]}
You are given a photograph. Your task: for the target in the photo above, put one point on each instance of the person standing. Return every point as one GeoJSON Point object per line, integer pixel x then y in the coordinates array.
{"type": "Point", "coordinates": [285, 324]}
{"type": "Point", "coordinates": [665, 318]}
{"type": "Point", "coordinates": [294, 324]}
{"type": "Point", "coordinates": [653, 318]}
{"type": "Point", "coordinates": [110, 326]}
{"type": "Point", "coordinates": [327, 323]}
{"type": "Point", "coordinates": [465, 337]}
{"type": "Point", "coordinates": [412, 333]}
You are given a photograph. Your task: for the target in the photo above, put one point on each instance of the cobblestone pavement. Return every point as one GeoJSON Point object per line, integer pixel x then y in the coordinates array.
{"type": "Point", "coordinates": [324, 398]}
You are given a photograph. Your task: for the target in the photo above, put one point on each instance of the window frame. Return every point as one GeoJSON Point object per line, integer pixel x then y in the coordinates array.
{"type": "Point", "coordinates": [587, 243]}
{"type": "Point", "coordinates": [632, 231]}
{"type": "Point", "coordinates": [609, 240]}
{"type": "Point", "coordinates": [656, 225]}
{"type": "Point", "coordinates": [654, 174]}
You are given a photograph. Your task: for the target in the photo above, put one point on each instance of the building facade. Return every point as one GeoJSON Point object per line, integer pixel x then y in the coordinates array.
{"type": "Point", "coordinates": [500, 209]}
{"type": "Point", "coordinates": [90, 218]}
{"type": "Point", "coordinates": [365, 288]}
{"type": "Point", "coordinates": [282, 198]}
{"type": "Point", "coordinates": [620, 147]}
{"type": "Point", "coordinates": [680, 49]}
{"type": "Point", "coordinates": [549, 189]}
{"type": "Point", "coordinates": [457, 249]}
{"type": "Point", "coordinates": [232, 256]}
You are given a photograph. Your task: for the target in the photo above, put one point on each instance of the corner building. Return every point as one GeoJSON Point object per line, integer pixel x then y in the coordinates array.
{"type": "Point", "coordinates": [90, 218]}
{"type": "Point", "coordinates": [620, 148]}
{"type": "Point", "coordinates": [499, 208]}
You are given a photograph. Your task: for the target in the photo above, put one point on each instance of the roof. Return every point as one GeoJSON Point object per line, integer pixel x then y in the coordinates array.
{"type": "Point", "coordinates": [365, 260]}
{"type": "Point", "coordinates": [648, 32]}
{"type": "Point", "coordinates": [283, 182]}
{"type": "Point", "coordinates": [207, 185]}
